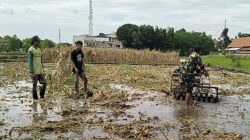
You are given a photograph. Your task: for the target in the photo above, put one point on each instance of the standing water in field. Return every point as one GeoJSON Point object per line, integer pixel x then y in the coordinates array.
{"type": "Point", "coordinates": [129, 113]}
{"type": "Point", "coordinates": [18, 109]}
{"type": "Point", "coordinates": [231, 114]}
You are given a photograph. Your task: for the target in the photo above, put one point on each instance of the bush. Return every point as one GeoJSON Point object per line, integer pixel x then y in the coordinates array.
{"type": "Point", "coordinates": [26, 44]}
{"type": "Point", "coordinates": [10, 43]}
{"type": "Point", "coordinates": [46, 43]}
{"type": "Point", "coordinates": [235, 60]}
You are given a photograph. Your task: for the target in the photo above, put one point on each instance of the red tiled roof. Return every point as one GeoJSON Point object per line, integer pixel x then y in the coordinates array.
{"type": "Point", "coordinates": [240, 43]}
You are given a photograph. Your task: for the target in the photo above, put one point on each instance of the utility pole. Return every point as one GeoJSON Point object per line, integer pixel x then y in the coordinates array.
{"type": "Point", "coordinates": [225, 23]}
{"type": "Point", "coordinates": [59, 35]}
{"type": "Point", "coordinates": [90, 18]}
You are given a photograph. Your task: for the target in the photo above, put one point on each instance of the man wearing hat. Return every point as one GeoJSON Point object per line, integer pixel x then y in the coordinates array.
{"type": "Point", "coordinates": [190, 67]}
{"type": "Point", "coordinates": [36, 67]}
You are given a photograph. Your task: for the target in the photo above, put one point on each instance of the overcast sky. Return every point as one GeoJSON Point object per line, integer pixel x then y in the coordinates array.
{"type": "Point", "coordinates": [26, 18]}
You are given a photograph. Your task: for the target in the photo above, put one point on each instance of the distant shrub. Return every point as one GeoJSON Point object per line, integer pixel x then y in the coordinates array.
{"type": "Point", "coordinates": [235, 60]}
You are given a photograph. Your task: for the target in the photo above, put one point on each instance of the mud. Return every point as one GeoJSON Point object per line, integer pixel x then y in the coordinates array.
{"type": "Point", "coordinates": [152, 109]}
{"type": "Point", "coordinates": [18, 109]}
{"type": "Point", "coordinates": [231, 114]}
{"type": "Point", "coordinates": [1, 65]}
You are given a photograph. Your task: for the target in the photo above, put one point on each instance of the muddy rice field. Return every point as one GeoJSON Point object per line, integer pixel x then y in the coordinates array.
{"type": "Point", "coordinates": [129, 102]}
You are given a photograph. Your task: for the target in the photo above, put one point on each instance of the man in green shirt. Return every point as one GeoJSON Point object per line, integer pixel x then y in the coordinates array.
{"type": "Point", "coordinates": [36, 67]}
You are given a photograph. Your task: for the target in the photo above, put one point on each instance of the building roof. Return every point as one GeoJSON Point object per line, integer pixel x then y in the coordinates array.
{"type": "Point", "coordinates": [240, 43]}
{"type": "Point", "coordinates": [232, 49]}
{"type": "Point", "coordinates": [245, 49]}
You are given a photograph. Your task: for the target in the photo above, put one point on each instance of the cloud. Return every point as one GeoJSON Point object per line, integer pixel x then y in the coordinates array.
{"type": "Point", "coordinates": [45, 17]}
{"type": "Point", "coordinates": [71, 10]}
{"type": "Point", "coordinates": [6, 10]}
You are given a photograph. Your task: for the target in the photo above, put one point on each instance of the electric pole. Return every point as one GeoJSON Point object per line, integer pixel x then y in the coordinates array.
{"type": "Point", "coordinates": [90, 18]}
{"type": "Point", "coordinates": [59, 35]}
{"type": "Point", "coordinates": [225, 23]}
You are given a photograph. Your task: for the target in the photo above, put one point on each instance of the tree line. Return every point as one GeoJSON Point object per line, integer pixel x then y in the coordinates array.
{"type": "Point", "coordinates": [142, 37]}
{"type": "Point", "coordinates": [13, 43]}
{"type": "Point", "coordinates": [149, 37]}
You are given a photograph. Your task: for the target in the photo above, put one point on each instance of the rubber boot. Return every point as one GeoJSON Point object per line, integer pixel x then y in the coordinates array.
{"type": "Point", "coordinates": [89, 93]}
{"type": "Point", "coordinates": [42, 93]}
{"type": "Point", "coordinates": [35, 95]}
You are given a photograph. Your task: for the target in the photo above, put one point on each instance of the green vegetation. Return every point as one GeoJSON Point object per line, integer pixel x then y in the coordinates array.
{"type": "Point", "coordinates": [146, 36]}
{"type": "Point", "coordinates": [14, 44]}
{"type": "Point", "coordinates": [243, 35]}
{"type": "Point", "coordinates": [231, 62]}
{"type": "Point", "coordinates": [221, 45]}
{"type": "Point", "coordinates": [26, 44]}
{"type": "Point", "coordinates": [10, 43]}
{"type": "Point", "coordinates": [46, 43]}
{"type": "Point", "coordinates": [12, 49]}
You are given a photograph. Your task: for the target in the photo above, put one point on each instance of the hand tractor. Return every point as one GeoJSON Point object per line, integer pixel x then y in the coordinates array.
{"type": "Point", "coordinates": [201, 88]}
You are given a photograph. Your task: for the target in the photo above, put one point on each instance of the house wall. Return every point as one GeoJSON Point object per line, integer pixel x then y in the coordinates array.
{"type": "Point", "coordinates": [237, 52]}
{"type": "Point", "coordinates": [109, 41]}
{"type": "Point", "coordinates": [244, 52]}
{"type": "Point", "coordinates": [231, 52]}
{"type": "Point", "coordinates": [93, 38]}
{"type": "Point", "coordinates": [79, 38]}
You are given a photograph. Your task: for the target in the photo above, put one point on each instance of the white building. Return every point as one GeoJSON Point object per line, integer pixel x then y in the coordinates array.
{"type": "Point", "coordinates": [239, 46]}
{"type": "Point", "coordinates": [103, 40]}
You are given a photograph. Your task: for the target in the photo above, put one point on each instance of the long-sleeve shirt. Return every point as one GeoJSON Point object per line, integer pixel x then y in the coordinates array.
{"type": "Point", "coordinates": [35, 60]}
{"type": "Point", "coordinates": [193, 63]}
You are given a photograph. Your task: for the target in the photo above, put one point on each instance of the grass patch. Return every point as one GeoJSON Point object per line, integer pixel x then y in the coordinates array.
{"type": "Point", "coordinates": [237, 63]}
{"type": "Point", "coordinates": [70, 81]}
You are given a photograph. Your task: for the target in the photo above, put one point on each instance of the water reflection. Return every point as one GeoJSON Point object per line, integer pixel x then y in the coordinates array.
{"type": "Point", "coordinates": [40, 113]}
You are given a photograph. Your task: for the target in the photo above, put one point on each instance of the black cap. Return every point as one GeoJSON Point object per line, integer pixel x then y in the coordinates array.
{"type": "Point", "coordinates": [79, 43]}
{"type": "Point", "coordinates": [35, 38]}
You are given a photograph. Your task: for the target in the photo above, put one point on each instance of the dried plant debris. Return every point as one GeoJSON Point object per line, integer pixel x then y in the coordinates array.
{"type": "Point", "coordinates": [115, 56]}
{"type": "Point", "coordinates": [194, 129]}
{"type": "Point", "coordinates": [1, 123]}
{"type": "Point", "coordinates": [117, 113]}
{"type": "Point", "coordinates": [236, 83]}
{"type": "Point", "coordinates": [12, 72]}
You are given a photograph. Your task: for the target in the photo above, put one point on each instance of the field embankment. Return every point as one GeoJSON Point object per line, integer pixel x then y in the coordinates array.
{"type": "Point", "coordinates": [13, 57]}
